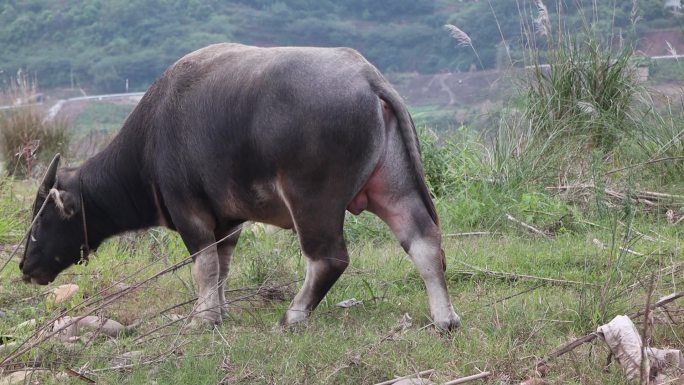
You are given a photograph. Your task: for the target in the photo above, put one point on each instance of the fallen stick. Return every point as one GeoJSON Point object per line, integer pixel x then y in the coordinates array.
{"type": "Point", "coordinates": [601, 245]}
{"type": "Point", "coordinates": [469, 234]}
{"type": "Point", "coordinates": [418, 375]}
{"type": "Point", "coordinates": [644, 164]}
{"type": "Point", "coordinates": [463, 380]}
{"type": "Point", "coordinates": [652, 194]}
{"type": "Point", "coordinates": [502, 274]}
{"type": "Point", "coordinates": [72, 373]}
{"type": "Point", "coordinates": [570, 187]}
{"type": "Point", "coordinates": [593, 335]}
{"type": "Point", "coordinates": [525, 225]}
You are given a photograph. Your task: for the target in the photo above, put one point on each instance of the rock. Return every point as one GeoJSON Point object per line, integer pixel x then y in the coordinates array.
{"type": "Point", "coordinates": [174, 317]}
{"type": "Point", "coordinates": [121, 286]}
{"type": "Point", "coordinates": [26, 324]}
{"type": "Point", "coordinates": [8, 347]}
{"type": "Point", "coordinates": [15, 378]}
{"type": "Point", "coordinates": [62, 293]}
{"type": "Point", "coordinates": [75, 326]}
{"type": "Point", "coordinates": [349, 303]}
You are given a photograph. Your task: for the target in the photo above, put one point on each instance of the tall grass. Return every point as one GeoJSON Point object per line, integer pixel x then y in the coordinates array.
{"type": "Point", "coordinates": [27, 141]}
{"type": "Point", "coordinates": [27, 138]}
{"type": "Point", "coordinates": [662, 142]}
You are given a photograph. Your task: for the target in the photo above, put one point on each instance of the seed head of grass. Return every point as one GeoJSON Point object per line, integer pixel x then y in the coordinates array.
{"type": "Point", "coordinates": [542, 23]}
{"type": "Point", "coordinates": [461, 37]}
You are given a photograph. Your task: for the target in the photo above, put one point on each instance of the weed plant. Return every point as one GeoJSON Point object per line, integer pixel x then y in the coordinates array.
{"type": "Point", "coordinates": [27, 137]}
{"type": "Point", "coordinates": [28, 140]}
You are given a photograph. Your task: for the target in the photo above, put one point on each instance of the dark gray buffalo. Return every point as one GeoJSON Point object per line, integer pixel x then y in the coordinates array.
{"type": "Point", "coordinates": [287, 136]}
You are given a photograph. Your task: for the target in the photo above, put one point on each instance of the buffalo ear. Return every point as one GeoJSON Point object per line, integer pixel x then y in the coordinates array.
{"type": "Point", "coordinates": [50, 177]}
{"type": "Point", "coordinates": [67, 203]}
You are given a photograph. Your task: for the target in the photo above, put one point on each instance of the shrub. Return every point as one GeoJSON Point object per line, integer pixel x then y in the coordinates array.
{"type": "Point", "coordinates": [29, 140]}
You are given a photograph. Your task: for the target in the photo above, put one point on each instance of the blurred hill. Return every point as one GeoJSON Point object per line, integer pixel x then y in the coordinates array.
{"type": "Point", "coordinates": [103, 45]}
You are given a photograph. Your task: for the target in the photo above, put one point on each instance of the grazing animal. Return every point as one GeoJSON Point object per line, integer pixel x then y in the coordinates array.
{"type": "Point", "coordinates": [287, 136]}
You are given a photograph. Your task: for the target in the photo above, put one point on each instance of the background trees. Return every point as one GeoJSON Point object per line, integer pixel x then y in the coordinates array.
{"type": "Point", "coordinates": [99, 44]}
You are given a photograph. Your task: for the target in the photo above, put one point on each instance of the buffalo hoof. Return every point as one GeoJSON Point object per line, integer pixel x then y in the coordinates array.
{"type": "Point", "coordinates": [448, 325]}
{"type": "Point", "coordinates": [294, 320]}
{"type": "Point", "coordinates": [201, 322]}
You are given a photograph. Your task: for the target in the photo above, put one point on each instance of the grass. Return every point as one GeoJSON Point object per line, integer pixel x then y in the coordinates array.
{"type": "Point", "coordinates": [508, 322]}
{"type": "Point", "coordinates": [27, 140]}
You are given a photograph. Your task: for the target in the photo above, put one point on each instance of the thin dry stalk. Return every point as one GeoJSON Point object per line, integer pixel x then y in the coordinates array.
{"type": "Point", "coordinates": [601, 245]}
{"type": "Point", "coordinates": [72, 373]}
{"type": "Point", "coordinates": [474, 377]}
{"type": "Point", "coordinates": [516, 276]}
{"type": "Point", "coordinates": [646, 334]}
{"type": "Point", "coordinates": [669, 158]}
{"type": "Point", "coordinates": [469, 234]}
{"type": "Point", "coordinates": [525, 225]}
{"type": "Point", "coordinates": [414, 375]}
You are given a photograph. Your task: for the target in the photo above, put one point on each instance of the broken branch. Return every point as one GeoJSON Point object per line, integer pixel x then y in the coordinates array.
{"type": "Point", "coordinates": [463, 380]}
{"type": "Point", "coordinates": [525, 225]}
{"type": "Point", "coordinates": [418, 375]}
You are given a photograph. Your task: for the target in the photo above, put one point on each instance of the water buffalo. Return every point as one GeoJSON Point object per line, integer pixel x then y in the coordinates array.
{"type": "Point", "coordinates": [288, 136]}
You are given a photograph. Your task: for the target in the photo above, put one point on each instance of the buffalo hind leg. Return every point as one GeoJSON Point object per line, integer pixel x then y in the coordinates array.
{"type": "Point", "coordinates": [420, 237]}
{"type": "Point", "coordinates": [322, 242]}
{"type": "Point", "coordinates": [225, 251]}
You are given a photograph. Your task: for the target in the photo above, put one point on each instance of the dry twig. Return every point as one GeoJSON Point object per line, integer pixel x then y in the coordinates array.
{"type": "Point", "coordinates": [414, 375]}
{"type": "Point", "coordinates": [525, 225]}
{"type": "Point", "coordinates": [474, 377]}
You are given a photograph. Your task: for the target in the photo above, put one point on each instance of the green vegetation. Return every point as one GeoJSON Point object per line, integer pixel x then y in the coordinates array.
{"type": "Point", "coordinates": [99, 44]}
{"type": "Point", "coordinates": [27, 140]}
{"type": "Point", "coordinates": [583, 157]}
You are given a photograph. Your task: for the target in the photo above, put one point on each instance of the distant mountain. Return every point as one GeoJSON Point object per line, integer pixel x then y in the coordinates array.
{"type": "Point", "coordinates": [99, 44]}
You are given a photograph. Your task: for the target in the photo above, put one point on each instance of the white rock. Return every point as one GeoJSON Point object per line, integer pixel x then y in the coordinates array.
{"type": "Point", "coordinates": [75, 326]}
{"type": "Point", "coordinates": [15, 378]}
{"type": "Point", "coordinates": [26, 324]}
{"type": "Point", "coordinates": [62, 293]}
{"type": "Point", "coordinates": [349, 303]}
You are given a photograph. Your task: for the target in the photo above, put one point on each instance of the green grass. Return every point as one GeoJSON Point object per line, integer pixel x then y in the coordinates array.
{"type": "Point", "coordinates": [508, 321]}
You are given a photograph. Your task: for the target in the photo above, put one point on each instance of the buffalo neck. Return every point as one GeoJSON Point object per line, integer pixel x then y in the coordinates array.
{"type": "Point", "coordinates": [117, 195]}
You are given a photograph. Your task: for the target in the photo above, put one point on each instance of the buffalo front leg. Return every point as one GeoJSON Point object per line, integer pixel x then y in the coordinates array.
{"type": "Point", "coordinates": [225, 251]}
{"type": "Point", "coordinates": [205, 272]}
{"type": "Point", "coordinates": [197, 231]}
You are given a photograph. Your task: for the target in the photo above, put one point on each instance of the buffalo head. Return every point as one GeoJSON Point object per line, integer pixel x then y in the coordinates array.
{"type": "Point", "coordinates": [57, 236]}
